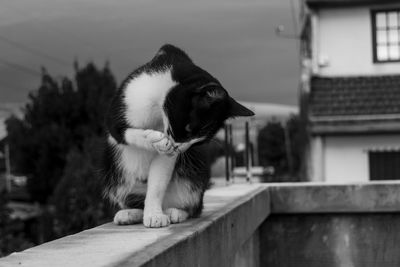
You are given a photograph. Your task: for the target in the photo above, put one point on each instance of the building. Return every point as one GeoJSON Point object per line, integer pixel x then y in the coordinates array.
{"type": "Point", "coordinates": [350, 89]}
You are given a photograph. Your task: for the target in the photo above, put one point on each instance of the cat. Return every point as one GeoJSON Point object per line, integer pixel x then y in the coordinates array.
{"type": "Point", "coordinates": [158, 123]}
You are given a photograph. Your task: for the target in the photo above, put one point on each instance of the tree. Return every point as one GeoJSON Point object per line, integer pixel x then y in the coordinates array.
{"type": "Point", "coordinates": [297, 135]}
{"type": "Point", "coordinates": [78, 195]}
{"type": "Point", "coordinates": [58, 118]}
{"type": "Point", "coordinates": [54, 145]}
{"type": "Point", "coordinates": [11, 237]}
{"type": "Point", "coordinates": [271, 142]}
{"type": "Point", "coordinates": [278, 143]}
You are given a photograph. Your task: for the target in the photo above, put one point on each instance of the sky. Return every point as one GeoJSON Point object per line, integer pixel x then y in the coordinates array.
{"type": "Point", "coordinates": [234, 40]}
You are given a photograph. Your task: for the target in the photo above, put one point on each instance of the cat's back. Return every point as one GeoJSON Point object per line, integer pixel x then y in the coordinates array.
{"type": "Point", "coordinates": [155, 77]}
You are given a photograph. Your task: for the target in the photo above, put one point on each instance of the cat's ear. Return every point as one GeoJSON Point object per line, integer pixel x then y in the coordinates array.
{"type": "Point", "coordinates": [238, 110]}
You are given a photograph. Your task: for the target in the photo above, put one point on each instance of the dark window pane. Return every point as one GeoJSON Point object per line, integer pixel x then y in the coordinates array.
{"type": "Point", "coordinates": [384, 165]}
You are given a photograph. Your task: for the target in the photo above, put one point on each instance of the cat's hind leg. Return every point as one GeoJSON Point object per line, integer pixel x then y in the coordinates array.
{"type": "Point", "coordinates": [182, 200]}
{"type": "Point", "coordinates": [128, 216]}
{"type": "Point", "coordinates": [132, 207]}
{"type": "Point", "coordinates": [176, 215]}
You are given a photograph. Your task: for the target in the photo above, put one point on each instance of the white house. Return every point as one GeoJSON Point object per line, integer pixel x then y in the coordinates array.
{"type": "Point", "coordinates": [350, 89]}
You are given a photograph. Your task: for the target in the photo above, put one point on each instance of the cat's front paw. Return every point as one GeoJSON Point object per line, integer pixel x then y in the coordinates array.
{"type": "Point", "coordinates": [155, 220]}
{"type": "Point", "coordinates": [160, 142]}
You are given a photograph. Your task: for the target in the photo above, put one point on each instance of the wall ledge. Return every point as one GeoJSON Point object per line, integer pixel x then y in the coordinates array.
{"type": "Point", "coordinates": [361, 197]}
{"type": "Point", "coordinates": [226, 209]}
{"type": "Point", "coordinates": [231, 218]}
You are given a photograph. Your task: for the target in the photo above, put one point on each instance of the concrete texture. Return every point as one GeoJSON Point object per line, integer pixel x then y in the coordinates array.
{"type": "Point", "coordinates": [311, 225]}
{"type": "Point", "coordinates": [331, 240]}
{"type": "Point", "coordinates": [231, 215]}
{"type": "Point", "coordinates": [333, 198]}
{"type": "Point", "coordinates": [249, 252]}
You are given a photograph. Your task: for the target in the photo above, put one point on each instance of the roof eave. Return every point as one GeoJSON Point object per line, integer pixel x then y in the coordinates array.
{"type": "Point", "coordinates": [363, 117]}
{"type": "Point", "coordinates": [340, 127]}
{"type": "Point", "coordinates": [345, 3]}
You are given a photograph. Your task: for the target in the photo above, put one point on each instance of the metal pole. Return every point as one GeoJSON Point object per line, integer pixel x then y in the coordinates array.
{"type": "Point", "coordinates": [8, 167]}
{"type": "Point", "coordinates": [231, 153]}
{"type": "Point", "coordinates": [288, 145]}
{"type": "Point", "coordinates": [247, 154]}
{"type": "Point", "coordinates": [256, 160]}
{"type": "Point", "coordinates": [227, 153]}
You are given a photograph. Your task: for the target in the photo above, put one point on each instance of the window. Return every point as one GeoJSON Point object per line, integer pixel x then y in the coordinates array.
{"type": "Point", "coordinates": [384, 165]}
{"type": "Point", "coordinates": [386, 35]}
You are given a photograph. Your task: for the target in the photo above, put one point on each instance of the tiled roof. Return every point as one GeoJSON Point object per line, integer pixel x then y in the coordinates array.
{"type": "Point", "coordinates": [347, 2]}
{"type": "Point", "coordinates": [341, 96]}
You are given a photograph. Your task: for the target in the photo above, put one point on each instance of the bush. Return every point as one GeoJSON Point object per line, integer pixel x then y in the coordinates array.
{"type": "Point", "coordinates": [282, 150]}
{"type": "Point", "coordinates": [12, 238]}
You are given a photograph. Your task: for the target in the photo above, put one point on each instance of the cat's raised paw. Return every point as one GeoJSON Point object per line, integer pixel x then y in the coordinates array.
{"type": "Point", "coordinates": [128, 216]}
{"type": "Point", "coordinates": [160, 142]}
{"type": "Point", "coordinates": [176, 215]}
{"type": "Point", "coordinates": [153, 136]}
{"type": "Point", "coordinates": [165, 146]}
{"type": "Point", "coordinates": [156, 220]}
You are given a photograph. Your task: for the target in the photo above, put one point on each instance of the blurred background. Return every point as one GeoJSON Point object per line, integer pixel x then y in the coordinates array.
{"type": "Point", "coordinates": [62, 61]}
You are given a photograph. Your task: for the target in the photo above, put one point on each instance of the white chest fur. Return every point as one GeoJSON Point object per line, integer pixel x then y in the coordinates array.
{"type": "Point", "coordinates": [144, 97]}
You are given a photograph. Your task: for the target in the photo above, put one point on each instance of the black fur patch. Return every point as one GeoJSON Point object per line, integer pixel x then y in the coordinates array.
{"type": "Point", "coordinates": [110, 172]}
{"type": "Point", "coordinates": [135, 201]}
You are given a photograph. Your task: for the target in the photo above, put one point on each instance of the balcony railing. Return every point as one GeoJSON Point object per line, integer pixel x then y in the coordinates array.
{"type": "Point", "coordinates": [302, 224]}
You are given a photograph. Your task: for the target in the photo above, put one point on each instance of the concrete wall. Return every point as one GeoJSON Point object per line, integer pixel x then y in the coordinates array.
{"type": "Point", "coordinates": [343, 39]}
{"type": "Point", "coordinates": [225, 235]}
{"type": "Point", "coordinates": [311, 225]}
{"type": "Point", "coordinates": [331, 240]}
{"type": "Point", "coordinates": [346, 157]}
{"type": "Point", "coordinates": [332, 226]}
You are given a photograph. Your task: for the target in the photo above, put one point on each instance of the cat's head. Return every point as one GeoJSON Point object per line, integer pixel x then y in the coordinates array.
{"type": "Point", "coordinates": [197, 110]}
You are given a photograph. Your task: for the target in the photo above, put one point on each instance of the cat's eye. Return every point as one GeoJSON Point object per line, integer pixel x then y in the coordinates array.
{"type": "Point", "coordinates": [187, 128]}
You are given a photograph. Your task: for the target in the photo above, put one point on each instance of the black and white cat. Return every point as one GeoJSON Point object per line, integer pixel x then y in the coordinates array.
{"type": "Point", "coordinates": [154, 162]}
